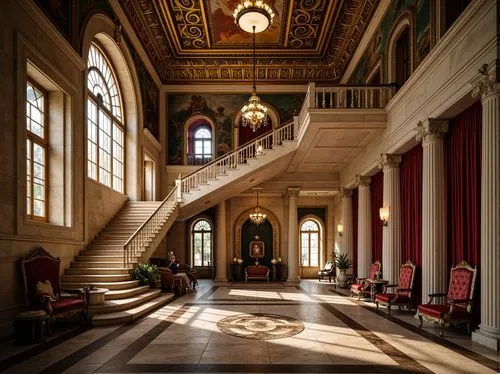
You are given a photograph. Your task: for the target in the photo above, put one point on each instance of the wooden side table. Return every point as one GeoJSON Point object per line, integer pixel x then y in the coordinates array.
{"type": "Point", "coordinates": [376, 286]}
{"type": "Point", "coordinates": [31, 327]}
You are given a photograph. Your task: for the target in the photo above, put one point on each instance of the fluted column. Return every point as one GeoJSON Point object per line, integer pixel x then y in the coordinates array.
{"type": "Point", "coordinates": [488, 87]}
{"type": "Point", "coordinates": [221, 257]}
{"type": "Point", "coordinates": [391, 237]}
{"type": "Point", "coordinates": [293, 235]}
{"type": "Point", "coordinates": [434, 271]}
{"type": "Point", "coordinates": [347, 239]}
{"type": "Point", "coordinates": [364, 226]}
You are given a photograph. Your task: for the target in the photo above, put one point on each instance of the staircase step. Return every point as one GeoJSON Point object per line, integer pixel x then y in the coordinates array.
{"type": "Point", "coordinates": [95, 278]}
{"type": "Point", "coordinates": [98, 247]}
{"type": "Point", "coordinates": [125, 293]}
{"type": "Point", "coordinates": [103, 252]}
{"type": "Point", "coordinates": [110, 306]}
{"type": "Point", "coordinates": [97, 271]}
{"type": "Point", "coordinates": [131, 314]}
{"type": "Point", "coordinates": [97, 256]}
{"type": "Point", "coordinates": [122, 285]}
{"type": "Point", "coordinates": [97, 265]}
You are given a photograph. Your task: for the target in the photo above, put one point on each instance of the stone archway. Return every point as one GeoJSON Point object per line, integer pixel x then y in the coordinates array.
{"type": "Point", "coordinates": [272, 220]}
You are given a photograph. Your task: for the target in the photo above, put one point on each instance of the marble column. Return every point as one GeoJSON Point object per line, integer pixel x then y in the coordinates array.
{"type": "Point", "coordinates": [487, 85]}
{"type": "Point", "coordinates": [434, 268]}
{"type": "Point", "coordinates": [293, 235]}
{"type": "Point", "coordinates": [347, 239]}
{"type": "Point", "coordinates": [391, 237]}
{"type": "Point", "coordinates": [364, 226]}
{"type": "Point", "coordinates": [221, 248]}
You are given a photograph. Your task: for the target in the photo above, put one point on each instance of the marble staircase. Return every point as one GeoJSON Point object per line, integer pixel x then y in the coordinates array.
{"type": "Point", "coordinates": [102, 264]}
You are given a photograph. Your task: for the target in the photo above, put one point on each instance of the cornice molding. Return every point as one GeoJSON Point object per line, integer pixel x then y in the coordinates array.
{"type": "Point", "coordinates": [52, 32]}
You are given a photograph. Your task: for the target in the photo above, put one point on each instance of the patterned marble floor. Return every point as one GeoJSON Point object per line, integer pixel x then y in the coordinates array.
{"type": "Point", "coordinates": [340, 335]}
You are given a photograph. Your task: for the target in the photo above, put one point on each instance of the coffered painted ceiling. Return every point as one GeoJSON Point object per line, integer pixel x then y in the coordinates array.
{"type": "Point", "coordinates": [197, 41]}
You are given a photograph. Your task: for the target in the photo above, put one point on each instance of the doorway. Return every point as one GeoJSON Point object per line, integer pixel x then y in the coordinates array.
{"type": "Point", "coordinates": [149, 179]}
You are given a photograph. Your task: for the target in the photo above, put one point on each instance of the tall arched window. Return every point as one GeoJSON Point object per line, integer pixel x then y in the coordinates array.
{"type": "Point", "coordinates": [202, 243]}
{"type": "Point", "coordinates": [105, 122]}
{"type": "Point", "coordinates": [309, 243]}
{"type": "Point", "coordinates": [402, 52]}
{"type": "Point", "coordinates": [202, 142]}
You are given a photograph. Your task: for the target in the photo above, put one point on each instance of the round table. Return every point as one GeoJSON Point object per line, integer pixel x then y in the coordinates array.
{"type": "Point", "coordinates": [31, 326]}
{"type": "Point", "coordinates": [375, 286]}
{"type": "Point", "coordinates": [97, 296]}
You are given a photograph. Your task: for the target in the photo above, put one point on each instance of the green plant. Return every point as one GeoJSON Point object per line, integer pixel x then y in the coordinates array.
{"type": "Point", "coordinates": [146, 273]}
{"type": "Point", "coordinates": [342, 261]}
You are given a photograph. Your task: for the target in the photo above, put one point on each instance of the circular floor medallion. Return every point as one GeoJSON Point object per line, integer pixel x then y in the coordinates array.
{"type": "Point", "coordinates": [260, 326]}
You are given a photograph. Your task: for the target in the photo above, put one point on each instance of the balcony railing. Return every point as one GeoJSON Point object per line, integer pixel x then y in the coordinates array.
{"type": "Point", "coordinates": [194, 159]}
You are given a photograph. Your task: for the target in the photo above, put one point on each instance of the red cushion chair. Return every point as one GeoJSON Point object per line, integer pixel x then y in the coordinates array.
{"type": "Point", "coordinates": [362, 285]}
{"type": "Point", "coordinates": [256, 272]}
{"type": "Point", "coordinates": [458, 305]}
{"type": "Point", "coordinates": [41, 266]}
{"type": "Point", "coordinates": [403, 295]}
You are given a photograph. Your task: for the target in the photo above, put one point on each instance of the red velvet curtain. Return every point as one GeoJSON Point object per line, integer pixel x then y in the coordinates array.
{"type": "Point", "coordinates": [463, 165]}
{"type": "Point", "coordinates": [355, 232]}
{"type": "Point", "coordinates": [411, 213]}
{"type": "Point", "coordinates": [376, 201]}
{"type": "Point", "coordinates": [246, 133]}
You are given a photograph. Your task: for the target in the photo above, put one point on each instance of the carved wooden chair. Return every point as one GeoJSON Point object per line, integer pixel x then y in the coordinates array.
{"type": "Point", "coordinates": [362, 285]}
{"type": "Point", "coordinates": [457, 307]}
{"type": "Point", "coordinates": [38, 268]}
{"type": "Point", "coordinates": [327, 271]}
{"type": "Point", "coordinates": [403, 295]}
{"type": "Point", "coordinates": [171, 283]}
{"type": "Point", "coordinates": [191, 273]}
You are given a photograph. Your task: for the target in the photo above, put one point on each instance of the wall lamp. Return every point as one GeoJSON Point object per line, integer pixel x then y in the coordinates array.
{"type": "Point", "coordinates": [384, 215]}
{"type": "Point", "coordinates": [340, 229]}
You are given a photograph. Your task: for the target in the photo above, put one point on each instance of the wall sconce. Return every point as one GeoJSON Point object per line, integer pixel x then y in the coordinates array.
{"type": "Point", "coordinates": [384, 214]}
{"type": "Point", "coordinates": [340, 229]}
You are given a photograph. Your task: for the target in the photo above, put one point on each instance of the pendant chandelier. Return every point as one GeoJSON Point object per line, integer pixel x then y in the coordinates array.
{"type": "Point", "coordinates": [254, 16]}
{"type": "Point", "coordinates": [257, 216]}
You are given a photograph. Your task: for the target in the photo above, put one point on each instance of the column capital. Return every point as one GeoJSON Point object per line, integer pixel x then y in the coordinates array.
{"type": "Point", "coordinates": [293, 192]}
{"type": "Point", "coordinates": [431, 129]}
{"type": "Point", "coordinates": [363, 181]}
{"type": "Point", "coordinates": [389, 161]}
{"type": "Point", "coordinates": [345, 192]}
{"type": "Point", "coordinates": [486, 82]}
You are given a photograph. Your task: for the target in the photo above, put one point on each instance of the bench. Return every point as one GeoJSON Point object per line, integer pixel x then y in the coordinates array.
{"type": "Point", "coordinates": [256, 272]}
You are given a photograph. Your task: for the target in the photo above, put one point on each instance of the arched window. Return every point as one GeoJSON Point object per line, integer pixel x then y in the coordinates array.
{"type": "Point", "coordinates": [202, 243]}
{"type": "Point", "coordinates": [309, 243]}
{"type": "Point", "coordinates": [202, 144]}
{"type": "Point", "coordinates": [402, 52]}
{"type": "Point", "coordinates": [105, 128]}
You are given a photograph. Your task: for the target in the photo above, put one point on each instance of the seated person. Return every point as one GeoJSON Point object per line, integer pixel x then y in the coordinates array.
{"type": "Point", "coordinates": [174, 268]}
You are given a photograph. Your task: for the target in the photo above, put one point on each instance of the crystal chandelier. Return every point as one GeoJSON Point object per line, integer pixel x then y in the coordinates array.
{"type": "Point", "coordinates": [254, 17]}
{"type": "Point", "coordinates": [257, 216]}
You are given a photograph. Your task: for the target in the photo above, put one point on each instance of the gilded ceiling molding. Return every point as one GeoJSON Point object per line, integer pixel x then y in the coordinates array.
{"type": "Point", "coordinates": [243, 217]}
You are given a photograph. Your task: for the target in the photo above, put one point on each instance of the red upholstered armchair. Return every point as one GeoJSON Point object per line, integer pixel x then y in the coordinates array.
{"type": "Point", "coordinates": [362, 285]}
{"type": "Point", "coordinates": [403, 295]}
{"type": "Point", "coordinates": [41, 266]}
{"type": "Point", "coordinates": [256, 272]}
{"type": "Point", "coordinates": [458, 305]}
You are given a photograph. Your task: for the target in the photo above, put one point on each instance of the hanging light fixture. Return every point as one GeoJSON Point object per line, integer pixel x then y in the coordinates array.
{"type": "Point", "coordinates": [257, 216]}
{"type": "Point", "coordinates": [254, 16]}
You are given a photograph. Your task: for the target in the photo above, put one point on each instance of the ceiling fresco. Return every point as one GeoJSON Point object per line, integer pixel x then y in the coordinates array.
{"type": "Point", "coordinates": [196, 41]}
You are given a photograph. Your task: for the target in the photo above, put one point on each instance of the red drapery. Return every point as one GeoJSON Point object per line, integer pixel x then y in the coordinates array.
{"type": "Point", "coordinates": [411, 213]}
{"type": "Point", "coordinates": [355, 232]}
{"type": "Point", "coordinates": [246, 133]}
{"type": "Point", "coordinates": [463, 165]}
{"type": "Point", "coordinates": [376, 201]}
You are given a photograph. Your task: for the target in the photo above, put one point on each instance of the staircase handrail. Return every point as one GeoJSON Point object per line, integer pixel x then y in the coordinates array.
{"type": "Point", "coordinates": [230, 160]}
{"type": "Point", "coordinates": [134, 244]}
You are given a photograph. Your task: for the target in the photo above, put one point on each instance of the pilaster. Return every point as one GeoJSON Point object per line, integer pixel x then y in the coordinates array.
{"type": "Point", "coordinates": [347, 236]}
{"type": "Point", "coordinates": [434, 270]}
{"type": "Point", "coordinates": [391, 239]}
{"type": "Point", "coordinates": [293, 235]}
{"type": "Point", "coordinates": [364, 226]}
{"type": "Point", "coordinates": [486, 85]}
{"type": "Point", "coordinates": [221, 256]}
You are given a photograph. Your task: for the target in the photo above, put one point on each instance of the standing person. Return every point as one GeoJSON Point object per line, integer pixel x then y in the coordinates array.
{"type": "Point", "coordinates": [173, 266]}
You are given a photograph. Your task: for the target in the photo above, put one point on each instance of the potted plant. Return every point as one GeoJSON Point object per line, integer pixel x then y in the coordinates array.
{"type": "Point", "coordinates": [342, 262]}
{"type": "Point", "coordinates": [147, 274]}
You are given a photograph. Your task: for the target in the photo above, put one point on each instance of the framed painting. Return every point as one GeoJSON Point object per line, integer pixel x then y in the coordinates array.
{"type": "Point", "coordinates": [257, 249]}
